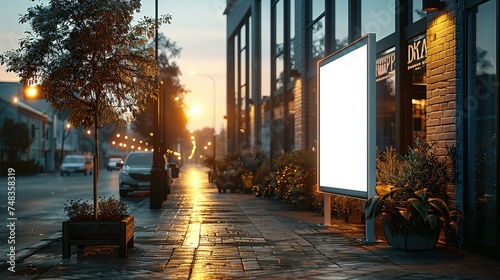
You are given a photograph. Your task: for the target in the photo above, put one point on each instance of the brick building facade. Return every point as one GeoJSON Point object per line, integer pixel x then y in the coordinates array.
{"type": "Point", "coordinates": [436, 76]}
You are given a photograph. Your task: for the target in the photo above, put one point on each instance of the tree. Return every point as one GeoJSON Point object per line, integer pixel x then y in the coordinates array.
{"type": "Point", "coordinates": [87, 57]}
{"type": "Point", "coordinates": [172, 91]}
{"type": "Point", "coordinates": [16, 138]}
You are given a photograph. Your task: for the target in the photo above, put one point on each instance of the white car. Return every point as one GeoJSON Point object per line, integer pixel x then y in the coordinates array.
{"type": "Point", "coordinates": [77, 164]}
{"type": "Point", "coordinates": [115, 164]}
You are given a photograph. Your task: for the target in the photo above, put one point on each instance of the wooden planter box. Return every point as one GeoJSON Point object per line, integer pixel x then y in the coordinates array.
{"type": "Point", "coordinates": [98, 233]}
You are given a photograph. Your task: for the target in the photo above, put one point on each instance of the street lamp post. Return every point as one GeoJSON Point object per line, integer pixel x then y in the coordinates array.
{"type": "Point", "coordinates": [214, 122]}
{"type": "Point", "coordinates": [156, 194]}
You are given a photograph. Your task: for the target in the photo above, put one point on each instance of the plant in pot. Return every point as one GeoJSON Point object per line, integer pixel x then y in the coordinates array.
{"type": "Point", "coordinates": [413, 219]}
{"type": "Point", "coordinates": [411, 195]}
{"type": "Point", "coordinates": [113, 226]}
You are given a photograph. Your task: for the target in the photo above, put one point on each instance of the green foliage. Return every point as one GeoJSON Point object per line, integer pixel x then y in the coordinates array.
{"type": "Point", "coordinates": [172, 97]}
{"type": "Point", "coordinates": [409, 211]}
{"type": "Point", "coordinates": [412, 191]}
{"type": "Point", "coordinates": [17, 138]}
{"type": "Point", "coordinates": [247, 179]}
{"type": "Point", "coordinates": [345, 205]}
{"type": "Point", "coordinates": [389, 166]}
{"type": "Point", "coordinates": [295, 177]}
{"type": "Point", "coordinates": [234, 166]}
{"type": "Point", "coordinates": [110, 210]}
{"type": "Point", "coordinates": [23, 167]}
{"type": "Point", "coordinates": [423, 168]}
{"type": "Point", "coordinates": [87, 57]}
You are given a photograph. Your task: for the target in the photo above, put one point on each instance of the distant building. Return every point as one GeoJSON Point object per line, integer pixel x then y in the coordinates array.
{"type": "Point", "coordinates": [436, 76]}
{"type": "Point", "coordinates": [46, 128]}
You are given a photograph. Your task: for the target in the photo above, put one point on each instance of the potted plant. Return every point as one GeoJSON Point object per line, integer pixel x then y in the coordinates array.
{"type": "Point", "coordinates": [113, 226]}
{"type": "Point", "coordinates": [411, 196]}
{"type": "Point", "coordinates": [412, 219]}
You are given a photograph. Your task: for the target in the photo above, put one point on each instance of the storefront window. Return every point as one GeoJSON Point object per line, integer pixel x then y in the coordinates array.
{"type": "Point", "coordinates": [318, 39]}
{"type": "Point", "coordinates": [386, 99]}
{"type": "Point", "coordinates": [418, 117]}
{"type": "Point", "coordinates": [292, 35]}
{"type": "Point", "coordinates": [266, 51]}
{"type": "Point", "coordinates": [341, 23]}
{"type": "Point", "coordinates": [378, 17]}
{"type": "Point", "coordinates": [482, 122]}
{"type": "Point", "coordinates": [316, 31]}
{"type": "Point", "coordinates": [417, 12]}
{"type": "Point", "coordinates": [318, 8]}
{"type": "Point", "coordinates": [417, 58]}
{"type": "Point", "coordinates": [279, 61]}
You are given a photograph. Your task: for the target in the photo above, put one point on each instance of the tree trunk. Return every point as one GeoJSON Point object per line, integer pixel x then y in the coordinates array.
{"type": "Point", "coordinates": [96, 164]}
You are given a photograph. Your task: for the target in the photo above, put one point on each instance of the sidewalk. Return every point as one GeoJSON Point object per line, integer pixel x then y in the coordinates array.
{"type": "Point", "coordinates": [201, 234]}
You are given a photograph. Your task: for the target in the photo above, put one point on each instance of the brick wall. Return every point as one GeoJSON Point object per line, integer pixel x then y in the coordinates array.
{"type": "Point", "coordinates": [444, 86]}
{"type": "Point", "coordinates": [441, 77]}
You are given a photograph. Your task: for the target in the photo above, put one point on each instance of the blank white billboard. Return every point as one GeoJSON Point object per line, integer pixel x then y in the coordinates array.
{"type": "Point", "coordinates": [346, 120]}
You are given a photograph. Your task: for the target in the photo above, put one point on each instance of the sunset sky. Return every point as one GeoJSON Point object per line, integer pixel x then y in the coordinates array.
{"type": "Point", "coordinates": [198, 27]}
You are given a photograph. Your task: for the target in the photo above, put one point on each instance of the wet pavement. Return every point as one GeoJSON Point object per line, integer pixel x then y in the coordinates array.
{"type": "Point", "coordinates": [202, 234]}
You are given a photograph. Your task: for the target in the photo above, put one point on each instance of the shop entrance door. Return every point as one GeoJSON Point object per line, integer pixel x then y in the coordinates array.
{"type": "Point", "coordinates": [415, 120]}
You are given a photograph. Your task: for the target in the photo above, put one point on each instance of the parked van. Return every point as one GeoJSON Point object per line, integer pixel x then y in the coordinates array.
{"type": "Point", "coordinates": [77, 164]}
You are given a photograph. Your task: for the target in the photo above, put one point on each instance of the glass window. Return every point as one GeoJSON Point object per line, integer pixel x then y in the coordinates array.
{"type": "Point", "coordinates": [279, 71]}
{"type": "Point", "coordinates": [482, 122]}
{"type": "Point", "coordinates": [250, 58]}
{"type": "Point", "coordinates": [417, 59]}
{"type": "Point", "coordinates": [292, 19]}
{"type": "Point", "coordinates": [386, 99]}
{"type": "Point", "coordinates": [316, 32]}
{"type": "Point", "coordinates": [378, 17]}
{"type": "Point", "coordinates": [236, 67]}
{"type": "Point", "coordinates": [279, 60]}
{"type": "Point", "coordinates": [292, 34]}
{"type": "Point", "coordinates": [243, 69]}
{"type": "Point", "coordinates": [341, 23]}
{"type": "Point", "coordinates": [318, 39]}
{"type": "Point", "coordinates": [418, 111]}
{"type": "Point", "coordinates": [318, 8]}
{"type": "Point", "coordinates": [279, 24]}
{"type": "Point", "coordinates": [266, 50]}
{"type": "Point", "coordinates": [416, 12]}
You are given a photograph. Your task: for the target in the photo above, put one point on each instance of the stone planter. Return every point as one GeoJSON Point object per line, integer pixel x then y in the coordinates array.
{"type": "Point", "coordinates": [412, 241]}
{"type": "Point", "coordinates": [98, 233]}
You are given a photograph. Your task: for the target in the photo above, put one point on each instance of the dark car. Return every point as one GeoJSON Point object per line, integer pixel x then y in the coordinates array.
{"type": "Point", "coordinates": [135, 174]}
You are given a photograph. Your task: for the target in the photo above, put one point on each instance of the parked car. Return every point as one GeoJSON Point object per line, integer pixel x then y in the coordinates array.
{"type": "Point", "coordinates": [77, 164]}
{"type": "Point", "coordinates": [135, 174]}
{"type": "Point", "coordinates": [115, 164]}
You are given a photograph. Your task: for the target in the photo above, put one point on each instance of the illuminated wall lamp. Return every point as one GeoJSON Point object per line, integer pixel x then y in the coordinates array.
{"type": "Point", "coordinates": [432, 5]}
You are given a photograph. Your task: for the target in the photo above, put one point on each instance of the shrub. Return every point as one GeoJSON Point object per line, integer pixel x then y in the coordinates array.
{"type": "Point", "coordinates": [295, 177]}
{"type": "Point", "coordinates": [424, 169]}
{"type": "Point", "coordinates": [110, 210]}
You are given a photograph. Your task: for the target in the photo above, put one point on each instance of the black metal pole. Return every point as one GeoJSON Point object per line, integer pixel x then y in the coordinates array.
{"type": "Point", "coordinates": [155, 195]}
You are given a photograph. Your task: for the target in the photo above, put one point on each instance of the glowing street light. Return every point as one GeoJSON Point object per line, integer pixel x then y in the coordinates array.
{"type": "Point", "coordinates": [30, 92]}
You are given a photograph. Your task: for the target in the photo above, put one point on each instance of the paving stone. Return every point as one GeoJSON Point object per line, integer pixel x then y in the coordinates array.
{"type": "Point", "coordinates": [201, 234]}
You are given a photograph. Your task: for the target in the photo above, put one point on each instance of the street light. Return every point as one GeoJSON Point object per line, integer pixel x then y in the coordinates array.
{"type": "Point", "coordinates": [214, 122]}
{"type": "Point", "coordinates": [158, 172]}
{"type": "Point", "coordinates": [15, 99]}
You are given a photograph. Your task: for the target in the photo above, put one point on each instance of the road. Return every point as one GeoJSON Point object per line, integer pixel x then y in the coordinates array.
{"type": "Point", "coordinates": [39, 201]}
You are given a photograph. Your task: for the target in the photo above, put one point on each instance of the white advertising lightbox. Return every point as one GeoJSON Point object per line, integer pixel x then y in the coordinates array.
{"type": "Point", "coordinates": [346, 120]}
